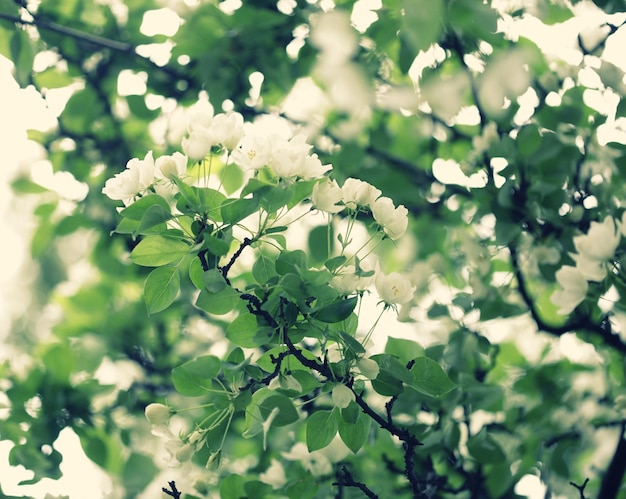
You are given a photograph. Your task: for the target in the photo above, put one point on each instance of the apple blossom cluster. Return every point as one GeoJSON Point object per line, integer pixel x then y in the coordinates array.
{"type": "Point", "coordinates": [145, 175]}
{"type": "Point", "coordinates": [593, 258]}
{"type": "Point", "coordinates": [180, 450]}
{"type": "Point", "coordinates": [356, 194]}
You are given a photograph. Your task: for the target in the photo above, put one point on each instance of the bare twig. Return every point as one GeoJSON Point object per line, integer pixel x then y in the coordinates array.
{"type": "Point", "coordinates": [347, 480]}
{"type": "Point", "coordinates": [172, 491]}
{"type": "Point", "coordinates": [577, 324]}
{"type": "Point", "coordinates": [581, 488]}
{"type": "Point", "coordinates": [614, 476]}
{"type": "Point", "coordinates": [74, 33]}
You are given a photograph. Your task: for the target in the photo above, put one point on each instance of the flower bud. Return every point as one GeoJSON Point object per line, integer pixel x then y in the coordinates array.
{"type": "Point", "coordinates": [184, 453]}
{"type": "Point", "coordinates": [368, 367]}
{"type": "Point", "coordinates": [326, 194]}
{"type": "Point", "coordinates": [394, 220]}
{"type": "Point", "coordinates": [157, 413]}
{"type": "Point", "coordinates": [342, 396]}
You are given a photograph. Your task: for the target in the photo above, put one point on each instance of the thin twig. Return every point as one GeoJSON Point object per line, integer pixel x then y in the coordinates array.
{"type": "Point", "coordinates": [581, 488]}
{"type": "Point", "coordinates": [74, 33]}
{"type": "Point", "coordinates": [348, 481]}
{"type": "Point", "coordinates": [577, 324]}
{"type": "Point", "coordinates": [172, 491]}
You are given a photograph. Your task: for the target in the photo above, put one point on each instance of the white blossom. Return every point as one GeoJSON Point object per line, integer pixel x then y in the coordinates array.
{"type": "Point", "coordinates": [184, 453]}
{"type": "Point", "coordinates": [394, 288]}
{"type": "Point", "coordinates": [326, 196]}
{"type": "Point", "coordinates": [313, 167]}
{"type": "Point", "coordinates": [393, 220]}
{"type": "Point", "coordinates": [134, 180]}
{"type": "Point", "coordinates": [601, 240]}
{"type": "Point", "coordinates": [197, 144]}
{"type": "Point", "coordinates": [171, 166]}
{"type": "Point", "coordinates": [288, 156]}
{"type": "Point", "coordinates": [358, 193]}
{"type": "Point", "coordinates": [157, 414]}
{"type": "Point", "coordinates": [226, 129]}
{"type": "Point", "coordinates": [252, 152]}
{"type": "Point", "coordinates": [596, 247]}
{"type": "Point", "coordinates": [347, 282]}
{"type": "Point", "coordinates": [573, 289]}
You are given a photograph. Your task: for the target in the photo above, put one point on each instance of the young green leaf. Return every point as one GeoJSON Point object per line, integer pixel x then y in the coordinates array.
{"type": "Point", "coordinates": [336, 311]}
{"type": "Point", "coordinates": [321, 428]}
{"type": "Point", "coordinates": [429, 378]}
{"type": "Point", "coordinates": [161, 288]}
{"type": "Point", "coordinates": [219, 303]}
{"type": "Point", "coordinates": [354, 434]}
{"type": "Point", "coordinates": [195, 376]}
{"type": "Point", "coordinates": [138, 209]}
{"type": "Point", "coordinates": [154, 251]}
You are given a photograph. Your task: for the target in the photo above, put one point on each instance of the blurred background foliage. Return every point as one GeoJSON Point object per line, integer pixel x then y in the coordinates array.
{"type": "Point", "coordinates": [497, 148]}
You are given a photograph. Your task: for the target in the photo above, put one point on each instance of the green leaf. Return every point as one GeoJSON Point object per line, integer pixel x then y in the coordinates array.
{"type": "Point", "coordinates": [321, 428]}
{"type": "Point", "coordinates": [392, 375]}
{"type": "Point", "coordinates": [194, 377]}
{"type": "Point", "coordinates": [22, 56]}
{"type": "Point", "coordinates": [485, 449]}
{"type": "Point", "coordinates": [352, 343]}
{"type": "Point", "coordinates": [211, 202]}
{"type": "Point", "coordinates": [24, 185]}
{"type": "Point", "coordinates": [217, 245]}
{"type": "Point", "coordinates": [429, 378]}
{"type": "Point", "coordinates": [232, 487]}
{"type": "Point", "coordinates": [267, 403]}
{"type": "Point", "coordinates": [245, 332]}
{"type": "Point", "coordinates": [219, 303]}
{"type": "Point", "coordinates": [422, 22]}
{"type": "Point", "coordinates": [334, 263]}
{"type": "Point", "coordinates": [404, 350]}
{"type": "Point", "coordinates": [53, 78]}
{"type": "Point", "coordinates": [263, 269]}
{"type": "Point", "coordinates": [336, 311]}
{"type": "Point", "coordinates": [290, 262]}
{"type": "Point", "coordinates": [319, 240]}
{"type": "Point", "coordinates": [273, 198]}
{"type": "Point", "coordinates": [138, 472]}
{"type": "Point", "coordinates": [161, 288]}
{"type": "Point", "coordinates": [196, 273]}
{"type": "Point", "coordinates": [138, 209]}
{"type": "Point", "coordinates": [154, 215]}
{"type": "Point", "coordinates": [157, 250]}
{"type": "Point", "coordinates": [354, 434]}
{"type": "Point", "coordinates": [235, 210]}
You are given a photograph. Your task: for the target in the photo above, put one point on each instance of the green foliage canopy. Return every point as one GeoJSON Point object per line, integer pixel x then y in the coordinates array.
{"type": "Point", "coordinates": [490, 219]}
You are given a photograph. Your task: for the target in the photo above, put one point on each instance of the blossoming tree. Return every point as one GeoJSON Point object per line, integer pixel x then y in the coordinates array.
{"type": "Point", "coordinates": [329, 249]}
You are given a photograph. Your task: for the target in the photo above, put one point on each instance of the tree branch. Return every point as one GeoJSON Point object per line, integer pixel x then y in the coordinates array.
{"type": "Point", "coordinates": [74, 33]}
{"type": "Point", "coordinates": [613, 478]}
{"type": "Point", "coordinates": [581, 488]}
{"type": "Point", "coordinates": [409, 441]}
{"type": "Point", "coordinates": [580, 323]}
{"type": "Point", "coordinates": [226, 268]}
{"type": "Point", "coordinates": [172, 491]}
{"type": "Point", "coordinates": [347, 480]}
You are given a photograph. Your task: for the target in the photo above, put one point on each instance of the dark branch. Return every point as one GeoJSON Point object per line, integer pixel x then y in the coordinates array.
{"type": "Point", "coordinates": [581, 488]}
{"type": "Point", "coordinates": [409, 441]}
{"type": "Point", "coordinates": [346, 480]}
{"type": "Point", "coordinates": [583, 323]}
{"type": "Point", "coordinates": [172, 491]}
{"type": "Point", "coordinates": [226, 268]}
{"type": "Point", "coordinates": [614, 476]}
{"type": "Point", "coordinates": [74, 33]}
